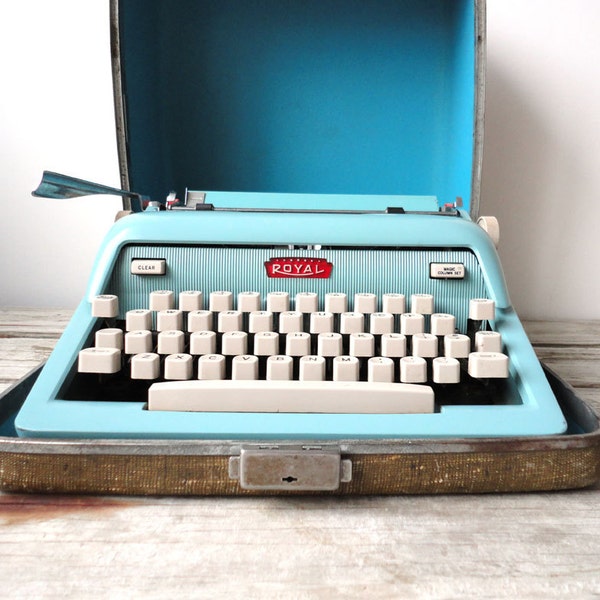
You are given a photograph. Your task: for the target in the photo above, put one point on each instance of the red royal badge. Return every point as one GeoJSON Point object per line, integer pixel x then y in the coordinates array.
{"type": "Point", "coordinates": [307, 268]}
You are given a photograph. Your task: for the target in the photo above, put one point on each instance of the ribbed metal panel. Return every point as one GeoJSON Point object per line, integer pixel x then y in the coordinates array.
{"type": "Point", "coordinates": [379, 271]}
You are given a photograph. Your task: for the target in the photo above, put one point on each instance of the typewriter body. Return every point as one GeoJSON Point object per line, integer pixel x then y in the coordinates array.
{"type": "Point", "coordinates": [335, 285]}
{"type": "Point", "coordinates": [280, 332]}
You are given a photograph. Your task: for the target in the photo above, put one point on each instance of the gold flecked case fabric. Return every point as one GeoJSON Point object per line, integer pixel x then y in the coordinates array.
{"type": "Point", "coordinates": [421, 473]}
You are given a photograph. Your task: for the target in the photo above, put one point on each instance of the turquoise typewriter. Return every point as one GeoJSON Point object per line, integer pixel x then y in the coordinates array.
{"type": "Point", "coordinates": [320, 271]}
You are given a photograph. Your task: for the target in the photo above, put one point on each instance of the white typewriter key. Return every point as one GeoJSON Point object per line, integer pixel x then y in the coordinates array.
{"type": "Point", "coordinates": [412, 323]}
{"type": "Point", "coordinates": [171, 342]}
{"type": "Point", "coordinates": [346, 368]}
{"type": "Point", "coordinates": [278, 302]}
{"type": "Point", "coordinates": [380, 369]}
{"type": "Point", "coordinates": [336, 303]}
{"type": "Point", "coordinates": [259, 321]}
{"type": "Point", "coordinates": [199, 320]}
{"type": "Point", "coordinates": [352, 322]}
{"type": "Point", "coordinates": [138, 320]}
{"type": "Point", "coordinates": [105, 306]}
{"type": "Point", "coordinates": [329, 344]}
{"type": "Point", "coordinates": [393, 345]}
{"type": "Point", "coordinates": [365, 303]}
{"type": "Point", "coordinates": [312, 368]}
{"type": "Point", "coordinates": [203, 342]}
{"type": "Point", "coordinates": [169, 320]}
{"type": "Point", "coordinates": [191, 300]}
{"type": "Point", "coordinates": [321, 322]}
{"type": "Point", "coordinates": [362, 344]}
{"type": "Point", "coordinates": [234, 343]}
{"type": "Point", "coordinates": [99, 360]}
{"type": "Point", "coordinates": [482, 309]}
{"type": "Point", "coordinates": [413, 369]}
{"type": "Point", "coordinates": [220, 300]}
{"type": "Point", "coordinates": [457, 345]}
{"type": "Point", "coordinates": [290, 322]}
{"type": "Point", "coordinates": [211, 366]}
{"type": "Point", "coordinates": [307, 302]}
{"type": "Point", "coordinates": [425, 345]}
{"type": "Point", "coordinates": [488, 341]}
{"type": "Point", "coordinates": [109, 338]}
{"type": "Point", "coordinates": [381, 322]}
{"type": "Point", "coordinates": [178, 367]}
{"type": "Point", "coordinates": [446, 370]}
{"type": "Point", "coordinates": [279, 368]}
{"type": "Point", "coordinates": [442, 324]}
{"type": "Point", "coordinates": [244, 367]}
{"type": "Point", "coordinates": [297, 343]}
{"type": "Point", "coordinates": [229, 320]}
{"type": "Point", "coordinates": [483, 365]}
{"type": "Point", "coordinates": [145, 366]}
{"type": "Point", "coordinates": [162, 300]}
{"type": "Point", "coordinates": [138, 342]}
{"type": "Point", "coordinates": [266, 343]}
{"type": "Point", "coordinates": [394, 304]}
{"type": "Point", "coordinates": [248, 302]}
{"type": "Point", "coordinates": [421, 303]}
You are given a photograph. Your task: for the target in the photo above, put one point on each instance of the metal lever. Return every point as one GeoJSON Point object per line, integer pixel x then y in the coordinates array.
{"type": "Point", "coordinates": [55, 185]}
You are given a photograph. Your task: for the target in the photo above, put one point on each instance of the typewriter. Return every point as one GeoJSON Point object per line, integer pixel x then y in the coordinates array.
{"type": "Point", "coordinates": [321, 301]}
{"type": "Point", "coordinates": [350, 317]}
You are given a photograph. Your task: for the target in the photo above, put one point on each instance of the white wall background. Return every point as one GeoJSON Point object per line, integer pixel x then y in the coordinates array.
{"type": "Point", "coordinates": [541, 174]}
{"type": "Point", "coordinates": [541, 168]}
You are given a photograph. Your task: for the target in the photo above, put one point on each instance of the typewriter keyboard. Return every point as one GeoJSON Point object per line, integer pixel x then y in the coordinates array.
{"type": "Point", "coordinates": [333, 354]}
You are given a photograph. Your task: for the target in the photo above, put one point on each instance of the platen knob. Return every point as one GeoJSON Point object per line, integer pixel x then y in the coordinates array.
{"type": "Point", "coordinates": [491, 227]}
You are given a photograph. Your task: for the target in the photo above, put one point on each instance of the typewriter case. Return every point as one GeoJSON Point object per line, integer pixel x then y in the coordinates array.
{"type": "Point", "coordinates": [332, 97]}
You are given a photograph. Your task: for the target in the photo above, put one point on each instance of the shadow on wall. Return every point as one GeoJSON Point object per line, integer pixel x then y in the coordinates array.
{"type": "Point", "coordinates": [538, 186]}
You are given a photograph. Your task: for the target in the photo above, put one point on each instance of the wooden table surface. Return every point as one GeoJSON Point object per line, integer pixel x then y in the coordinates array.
{"type": "Point", "coordinates": [542, 545]}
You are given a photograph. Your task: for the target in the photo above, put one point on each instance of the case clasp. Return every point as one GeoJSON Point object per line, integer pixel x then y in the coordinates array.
{"type": "Point", "coordinates": [303, 468]}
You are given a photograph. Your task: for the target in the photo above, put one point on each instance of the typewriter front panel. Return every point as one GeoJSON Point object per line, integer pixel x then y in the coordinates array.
{"type": "Point", "coordinates": [265, 269]}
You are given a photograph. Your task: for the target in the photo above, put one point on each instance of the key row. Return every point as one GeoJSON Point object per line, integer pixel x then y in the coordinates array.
{"type": "Point", "coordinates": [289, 321]}
{"type": "Point", "coordinates": [182, 366]}
{"type": "Point", "coordinates": [336, 303]}
{"type": "Point", "coordinates": [268, 343]}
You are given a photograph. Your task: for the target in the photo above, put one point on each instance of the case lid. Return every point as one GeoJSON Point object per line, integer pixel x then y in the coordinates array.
{"type": "Point", "coordinates": [300, 96]}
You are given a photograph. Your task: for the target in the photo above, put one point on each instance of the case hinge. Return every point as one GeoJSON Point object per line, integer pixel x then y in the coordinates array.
{"type": "Point", "coordinates": [304, 468]}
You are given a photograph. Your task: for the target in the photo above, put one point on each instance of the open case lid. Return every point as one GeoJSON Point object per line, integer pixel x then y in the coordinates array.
{"type": "Point", "coordinates": [300, 96]}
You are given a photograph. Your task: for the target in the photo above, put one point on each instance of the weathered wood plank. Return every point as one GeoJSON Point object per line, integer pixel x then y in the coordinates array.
{"type": "Point", "coordinates": [27, 337]}
{"type": "Point", "coordinates": [521, 546]}
{"type": "Point", "coordinates": [18, 356]}
{"type": "Point", "coordinates": [581, 366]}
{"type": "Point", "coordinates": [563, 333]}
{"type": "Point", "coordinates": [39, 323]}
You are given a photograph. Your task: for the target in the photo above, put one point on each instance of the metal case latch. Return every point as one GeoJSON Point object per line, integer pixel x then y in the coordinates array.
{"type": "Point", "coordinates": [308, 468]}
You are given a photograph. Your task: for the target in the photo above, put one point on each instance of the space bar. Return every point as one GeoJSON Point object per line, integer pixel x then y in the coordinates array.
{"type": "Point", "coordinates": [290, 397]}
